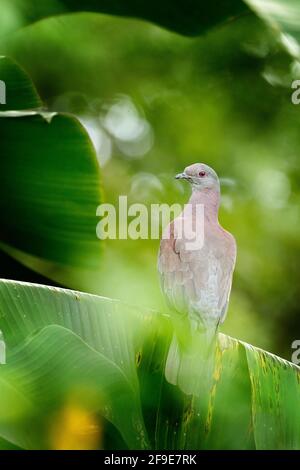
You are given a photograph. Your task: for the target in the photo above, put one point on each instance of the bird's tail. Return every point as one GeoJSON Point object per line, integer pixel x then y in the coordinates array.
{"type": "Point", "coordinates": [190, 363]}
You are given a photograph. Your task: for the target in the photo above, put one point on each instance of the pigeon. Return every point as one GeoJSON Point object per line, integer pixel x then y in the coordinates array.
{"type": "Point", "coordinates": [196, 272]}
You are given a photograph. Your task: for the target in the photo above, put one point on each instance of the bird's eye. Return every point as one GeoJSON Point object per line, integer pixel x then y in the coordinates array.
{"type": "Point", "coordinates": [202, 173]}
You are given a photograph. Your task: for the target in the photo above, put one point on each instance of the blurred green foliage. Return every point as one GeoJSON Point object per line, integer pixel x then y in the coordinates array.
{"type": "Point", "coordinates": [85, 372]}
{"type": "Point", "coordinates": [204, 99]}
{"type": "Point", "coordinates": [152, 102]}
{"type": "Point", "coordinates": [223, 99]}
{"type": "Point", "coordinates": [189, 17]}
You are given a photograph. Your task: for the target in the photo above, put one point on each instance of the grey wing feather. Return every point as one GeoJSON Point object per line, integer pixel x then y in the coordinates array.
{"type": "Point", "coordinates": [185, 276]}
{"type": "Point", "coordinates": [226, 281]}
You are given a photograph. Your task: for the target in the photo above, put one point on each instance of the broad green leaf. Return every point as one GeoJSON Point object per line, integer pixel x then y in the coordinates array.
{"type": "Point", "coordinates": [20, 91]}
{"type": "Point", "coordinates": [197, 420]}
{"type": "Point", "coordinates": [284, 17]}
{"type": "Point", "coordinates": [105, 325]}
{"type": "Point", "coordinates": [252, 394]}
{"type": "Point", "coordinates": [191, 17]}
{"type": "Point", "coordinates": [55, 367]}
{"type": "Point", "coordinates": [276, 400]}
{"type": "Point", "coordinates": [49, 186]}
{"type": "Point", "coordinates": [52, 163]}
{"type": "Point", "coordinates": [6, 445]}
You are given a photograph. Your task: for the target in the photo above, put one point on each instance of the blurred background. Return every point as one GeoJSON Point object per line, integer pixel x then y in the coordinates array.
{"type": "Point", "coordinates": [154, 102]}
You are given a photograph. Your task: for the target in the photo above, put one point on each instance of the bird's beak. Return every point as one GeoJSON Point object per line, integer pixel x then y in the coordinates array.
{"type": "Point", "coordinates": [182, 176]}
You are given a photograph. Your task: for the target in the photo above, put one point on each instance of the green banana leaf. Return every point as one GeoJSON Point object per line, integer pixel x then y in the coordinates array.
{"type": "Point", "coordinates": [191, 18]}
{"type": "Point", "coordinates": [284, 18]}
{"type": "Point", "coordinates": [20, 91]}
{"type": "Point", "coordinates": [60, 341]}
{"type": "Point", "coordinates": [45, 370]}
{"type": "Point", "coordinates": [49, 223]}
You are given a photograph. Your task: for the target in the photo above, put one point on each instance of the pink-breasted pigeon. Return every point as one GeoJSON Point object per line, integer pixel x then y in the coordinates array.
{"type": "Point", "coordinates": [196, 277]}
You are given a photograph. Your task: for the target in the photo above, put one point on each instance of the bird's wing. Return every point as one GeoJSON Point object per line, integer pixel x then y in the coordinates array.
{"type": "Point", "coordinates": [172, 269]}
{"type": "Point", "coordinates": [228, 264]}
{"type": "Point", "coordinates": [191, 279]}
{"type": "Point", "coordinates": [181, 271]}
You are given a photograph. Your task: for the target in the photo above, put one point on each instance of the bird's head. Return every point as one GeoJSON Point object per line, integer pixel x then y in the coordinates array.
{"type": "Point", "coordinates": [200, 176]}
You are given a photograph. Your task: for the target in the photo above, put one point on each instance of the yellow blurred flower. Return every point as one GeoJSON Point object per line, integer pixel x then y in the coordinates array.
{"type": "Point", "coordinates": [75, 428]}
